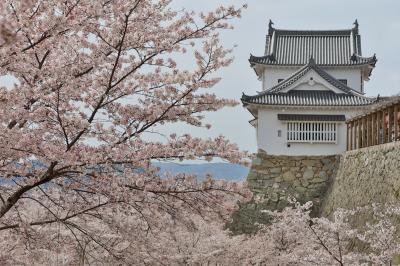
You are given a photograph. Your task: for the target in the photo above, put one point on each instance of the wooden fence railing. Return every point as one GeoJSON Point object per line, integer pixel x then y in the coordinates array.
{"type": "Point", "coordinates": [379, 126]}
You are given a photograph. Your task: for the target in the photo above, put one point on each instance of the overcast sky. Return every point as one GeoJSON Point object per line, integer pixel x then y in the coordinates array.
{"type": "Point", "coordinates": [380, 33]}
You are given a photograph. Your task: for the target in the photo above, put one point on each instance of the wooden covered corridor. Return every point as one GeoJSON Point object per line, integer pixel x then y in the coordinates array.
{"type": "Point", "coordinates": [378, 126]}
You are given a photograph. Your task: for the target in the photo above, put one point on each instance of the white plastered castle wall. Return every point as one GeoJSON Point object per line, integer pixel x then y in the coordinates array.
{"type": "Point", "coordinates": [353, 76]}
{"type": "Point", "coordinates": [269, 125]}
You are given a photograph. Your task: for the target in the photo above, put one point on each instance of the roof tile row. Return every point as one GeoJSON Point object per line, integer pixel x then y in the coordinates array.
{"type": "Point", "coordinates": [308, 98]}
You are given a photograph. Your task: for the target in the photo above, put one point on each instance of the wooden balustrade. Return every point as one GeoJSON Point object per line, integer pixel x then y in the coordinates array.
{"type": "Point", "coordinates": [380, 125]}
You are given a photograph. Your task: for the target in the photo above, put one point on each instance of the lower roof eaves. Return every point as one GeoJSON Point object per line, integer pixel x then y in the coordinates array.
{"type": "Point", "coordinates": [308, 98]}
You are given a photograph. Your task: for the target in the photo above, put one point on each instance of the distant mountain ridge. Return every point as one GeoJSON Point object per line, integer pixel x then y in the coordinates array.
{"type": "Point", "coordinates": [227, 171]}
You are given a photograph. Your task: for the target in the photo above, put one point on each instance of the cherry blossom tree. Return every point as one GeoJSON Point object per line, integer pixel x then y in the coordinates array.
{"type": "Point", "coordinates": [295, 238]}
{"type": "Point", "coordinates": [365, 236]}
{"type": "Point", "coordinates": [94, 78]}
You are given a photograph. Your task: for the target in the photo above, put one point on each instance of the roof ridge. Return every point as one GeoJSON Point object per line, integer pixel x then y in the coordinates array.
{"type": "Point", "coordinates": [313, 32]}
{"type": "Point", "coordinates": [271, 29]}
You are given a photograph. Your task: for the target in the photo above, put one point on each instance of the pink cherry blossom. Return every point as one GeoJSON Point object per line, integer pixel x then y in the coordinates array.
{"type": "Point", "coordinates": [94, 76]}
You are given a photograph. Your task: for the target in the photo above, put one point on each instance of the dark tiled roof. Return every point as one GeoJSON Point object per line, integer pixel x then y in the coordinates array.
{"type": "Point", "coordinates": [308, 98]}
{"type": "Point", "coordinates": [311, 117]}
{"type": "Point", "coordinates": [277, 96]}
{"type": "Point", "coordinates": [302, 71]}
{"type": "Point", "coordinates": [328, 47]}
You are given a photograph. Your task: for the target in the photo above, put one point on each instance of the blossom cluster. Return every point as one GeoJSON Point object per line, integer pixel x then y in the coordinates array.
{"type": "Point", "coordinates": [93, 77]}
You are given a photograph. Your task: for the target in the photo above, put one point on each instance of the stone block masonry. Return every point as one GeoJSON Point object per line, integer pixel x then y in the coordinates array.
{"type": "Point", "coordinates": [365, 176]}
{"type": "Point", "coordinates": [354, 179]}
{"type": "Point", "coordinates": [273, 178]}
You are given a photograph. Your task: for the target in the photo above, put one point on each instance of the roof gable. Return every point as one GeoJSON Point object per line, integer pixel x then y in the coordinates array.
{"type": "Point", "coordinates": [312, 74]}
{"type": "Point", "coordinates": [286, 94]}
{"type": "Point", "coordinates": [311, 80]}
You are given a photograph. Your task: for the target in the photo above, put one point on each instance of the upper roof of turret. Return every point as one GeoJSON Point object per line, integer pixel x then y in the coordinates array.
{"type": "Point", "coordinates": [327, 47]}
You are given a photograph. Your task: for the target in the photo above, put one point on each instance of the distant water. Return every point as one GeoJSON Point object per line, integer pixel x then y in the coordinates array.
{"type": "Point", "coordinates": [233, 172]}
{"type": "Point", "coordinates": [227, 171]}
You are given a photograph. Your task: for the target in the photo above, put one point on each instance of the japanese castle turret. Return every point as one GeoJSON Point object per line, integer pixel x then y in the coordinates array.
{"type": "Point", "coordinates": [312, 81]}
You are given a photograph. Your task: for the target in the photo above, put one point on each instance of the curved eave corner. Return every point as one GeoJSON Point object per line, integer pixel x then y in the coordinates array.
{"type": "Point", "coordinates": [248, 105]}
{"type": "Point", "coordinates": [245, 99]}
{"type": "Point", "coordinates": [255, 65]}
{"type": "Point", "coordinates": [372, 64]}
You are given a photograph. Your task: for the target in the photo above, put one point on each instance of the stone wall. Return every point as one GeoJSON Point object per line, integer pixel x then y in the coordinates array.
{"type": "Point", "coordinates": [365, 176]}
{"type": "Point", "coordinates": [353, 179]}
{"type": "Point", "coordinates": [272, 179]}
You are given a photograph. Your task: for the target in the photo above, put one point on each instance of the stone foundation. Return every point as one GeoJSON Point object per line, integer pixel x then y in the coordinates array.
{"type": "Point", "coordinates": [272, 179]}
{"type": "Point", "coordinates": [353, 179]}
